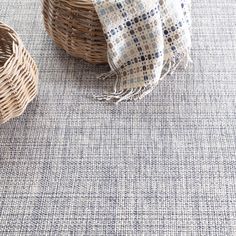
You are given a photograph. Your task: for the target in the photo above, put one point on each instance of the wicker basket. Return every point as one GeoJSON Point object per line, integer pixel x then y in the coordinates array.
{"type": "Point", "coordinates": [74, 26]}
{"type": "Point", "coordinates": [18, 75]}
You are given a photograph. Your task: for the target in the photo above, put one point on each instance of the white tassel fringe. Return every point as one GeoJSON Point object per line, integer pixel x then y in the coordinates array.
{"type": "Point", "coordinates": [138, 93]}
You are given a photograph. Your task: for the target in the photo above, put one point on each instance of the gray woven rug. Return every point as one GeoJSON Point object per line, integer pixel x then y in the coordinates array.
{"type": "Point", "coordinates": [163, 166]}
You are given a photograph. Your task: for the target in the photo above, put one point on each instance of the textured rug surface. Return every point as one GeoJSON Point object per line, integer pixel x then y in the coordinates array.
{"type": "Point", "coordinates": [163, 166]}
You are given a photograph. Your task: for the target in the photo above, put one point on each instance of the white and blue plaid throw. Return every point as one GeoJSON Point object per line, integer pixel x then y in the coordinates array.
{"type": "Point", "coordinates": [146, 39]}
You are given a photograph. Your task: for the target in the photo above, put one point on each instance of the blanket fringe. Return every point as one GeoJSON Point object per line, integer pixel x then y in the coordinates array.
{"type": "Point", "coordinates": [138, 93]}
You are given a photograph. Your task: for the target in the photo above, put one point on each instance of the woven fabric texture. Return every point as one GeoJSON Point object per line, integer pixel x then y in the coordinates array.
{"type": "Point", "coordinates": [146, 41]}
{"type": "Point", "coordinates": [162, 166]}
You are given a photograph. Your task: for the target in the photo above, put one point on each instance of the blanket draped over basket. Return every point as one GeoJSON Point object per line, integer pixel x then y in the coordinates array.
{"type": "Point", "coordinates": [146, 39]}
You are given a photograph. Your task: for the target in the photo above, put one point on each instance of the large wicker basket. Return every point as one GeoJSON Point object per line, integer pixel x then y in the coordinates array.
{"type": "Point", "coordinates": [74, 26]}
{"type": "Point", "coordinates": [18, 75]}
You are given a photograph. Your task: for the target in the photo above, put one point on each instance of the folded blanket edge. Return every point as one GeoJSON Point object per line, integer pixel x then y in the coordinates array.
{"type": "Point", "coordinates": [134, 94]}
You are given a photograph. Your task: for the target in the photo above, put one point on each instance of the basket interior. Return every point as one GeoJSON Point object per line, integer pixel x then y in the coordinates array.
{"type": "Point", "coordinates": [6, 49]}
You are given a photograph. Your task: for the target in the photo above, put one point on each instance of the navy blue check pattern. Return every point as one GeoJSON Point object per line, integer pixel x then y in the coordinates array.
{"type": "Point", "coordinates": [146, 40]}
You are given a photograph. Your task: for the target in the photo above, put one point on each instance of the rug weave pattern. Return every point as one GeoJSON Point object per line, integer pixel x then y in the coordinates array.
{"type": "Point", "coordinates": [163, 166]}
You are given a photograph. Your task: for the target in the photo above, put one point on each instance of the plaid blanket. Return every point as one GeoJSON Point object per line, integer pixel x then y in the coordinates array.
{"type": "Point", "coordinates": [146, 39]}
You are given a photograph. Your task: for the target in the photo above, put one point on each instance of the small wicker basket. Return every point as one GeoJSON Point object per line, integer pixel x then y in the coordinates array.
{"type": "Point", "coordinates": [74, 26]}
{"type": "Point", "coordinates": [18, 75]}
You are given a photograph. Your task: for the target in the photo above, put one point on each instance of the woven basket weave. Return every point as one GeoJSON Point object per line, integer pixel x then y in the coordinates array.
{"type": "Point", "coordinates": [74, 26]}
{"type": "Point", "coordinates": [18, 75]}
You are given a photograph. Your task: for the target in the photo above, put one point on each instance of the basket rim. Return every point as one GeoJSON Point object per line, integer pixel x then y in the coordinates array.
{"type": "Point", "coordinates": [16, 41]}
